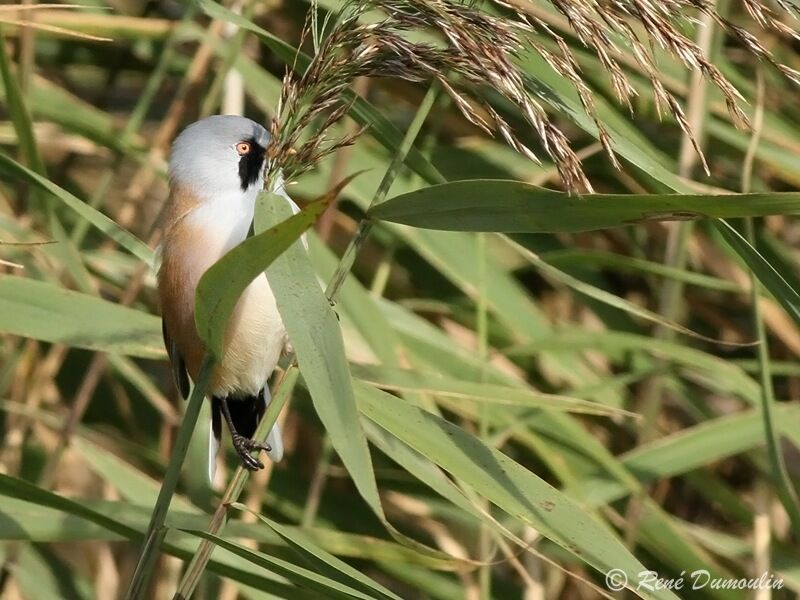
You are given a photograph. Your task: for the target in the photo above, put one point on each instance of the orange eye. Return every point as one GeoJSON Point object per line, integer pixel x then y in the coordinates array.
{"type": "Point", "coordinates": [243, 148]}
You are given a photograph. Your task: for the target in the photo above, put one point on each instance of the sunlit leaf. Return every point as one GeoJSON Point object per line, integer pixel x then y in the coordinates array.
{"type": "Point", "coordinates": [513, 206]}
{"type": "Point", "coordinates": [46, 312]}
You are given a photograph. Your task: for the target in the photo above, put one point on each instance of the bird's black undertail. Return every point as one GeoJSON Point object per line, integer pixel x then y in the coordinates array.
{"type": "Point", "coordinates": [242, 415]}
{"type": "Point", "coordinates": [246, 412]}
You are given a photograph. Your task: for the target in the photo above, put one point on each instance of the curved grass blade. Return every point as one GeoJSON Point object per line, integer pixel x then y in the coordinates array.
{"type": "Point", "coordinates": [611, 299]}
{"type": "Point", "coordinates": [506, 483]}
{"type": "Point", "coordinates": [224, 565]}
{"type": "Point", "coordinates": [631, 264]}
{"type": "Point", "coordinates": [685, 451]}
{"type": "Point", "coordinates": [317, 340]}
{"type": "Point", "coordinates": [329, 588]}
{"type": "Point", "coordinates": [19, 112]}
{"type": "Point", "coordinates": [413, 380]}
{"type": "Point", "coordinates": [784, 293]}
{"type": "Point", "coordinates": [322, 561]}
{"type": "Point", "coordinates": [123, 237]}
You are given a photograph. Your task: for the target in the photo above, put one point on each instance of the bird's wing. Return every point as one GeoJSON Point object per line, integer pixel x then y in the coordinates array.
{"type": "Point", "coordinates": [176, 360]}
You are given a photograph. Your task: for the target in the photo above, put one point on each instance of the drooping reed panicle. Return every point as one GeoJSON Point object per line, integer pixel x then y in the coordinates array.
{"type": "Point", "coordinates": [471, 50]}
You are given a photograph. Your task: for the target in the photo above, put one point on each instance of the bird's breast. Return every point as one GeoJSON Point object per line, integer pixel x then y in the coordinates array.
{"type": "Point", "coordinates": [255, 335]}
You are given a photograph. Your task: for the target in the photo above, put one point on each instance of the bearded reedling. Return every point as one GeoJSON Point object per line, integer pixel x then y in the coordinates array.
{"type": "Point", "coordinates": [215, 173]}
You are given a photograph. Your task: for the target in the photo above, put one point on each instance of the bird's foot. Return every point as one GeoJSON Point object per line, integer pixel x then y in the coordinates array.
{"type": "Point", "coordinates": [244, 446]}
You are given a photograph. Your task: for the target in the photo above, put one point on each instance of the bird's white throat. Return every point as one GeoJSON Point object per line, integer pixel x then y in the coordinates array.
{"type": "Point", "coordinates": [223, 222]}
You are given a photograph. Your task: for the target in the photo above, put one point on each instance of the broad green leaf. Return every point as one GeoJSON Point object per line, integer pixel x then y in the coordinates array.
{"type": "Point", "coordinates": [22, 490]}
{"type": "Point", "coordinates": [23, 520]}
{"type": "Point", "coordinates": [221, 286]}
{"type": "Point", "coordinates": [123, 237]}
{"type": "Point", "coordinates": [132, 484]}
{"type": "Point", "coordinates": [316, 338]}
{"type": "Point", "coordinates": [506, 483]}
{"type": "Point", "coordinates": [433, 476]}
{"type": "Point", "coordinates": [46, 312]}
{"type": "Point", "coordinates": [178, 545]}
{"type": "Point", "coordinates": [513, 206]}
{"type": "Point", "coordinates": [314, 332]}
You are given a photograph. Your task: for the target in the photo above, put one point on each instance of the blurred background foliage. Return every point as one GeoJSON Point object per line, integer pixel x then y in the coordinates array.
{"type": "Point", "coordinates": [550, 356]}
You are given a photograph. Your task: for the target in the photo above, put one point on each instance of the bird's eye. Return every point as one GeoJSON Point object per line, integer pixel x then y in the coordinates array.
{"type": "Point", "coordinates": [243, 148]}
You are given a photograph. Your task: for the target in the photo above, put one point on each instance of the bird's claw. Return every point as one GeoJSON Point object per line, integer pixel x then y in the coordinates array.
{"type": "Point", "coordinates": [244, 446]}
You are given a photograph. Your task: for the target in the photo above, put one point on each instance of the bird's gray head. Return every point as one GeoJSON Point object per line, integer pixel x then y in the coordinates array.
{"type": "Point", "coordinates": [219, 155]}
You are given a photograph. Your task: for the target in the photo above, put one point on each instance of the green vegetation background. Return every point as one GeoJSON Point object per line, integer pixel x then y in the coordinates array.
{"type": "Point", "coordinates": [507, 414]}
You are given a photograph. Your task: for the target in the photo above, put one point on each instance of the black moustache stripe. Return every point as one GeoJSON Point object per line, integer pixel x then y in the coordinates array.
{"type": "Point", "coordinates": [250, 165]}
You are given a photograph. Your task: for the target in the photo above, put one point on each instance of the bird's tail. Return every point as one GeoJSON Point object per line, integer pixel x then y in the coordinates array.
{"type": "Point", "coordinates": [245, 413]}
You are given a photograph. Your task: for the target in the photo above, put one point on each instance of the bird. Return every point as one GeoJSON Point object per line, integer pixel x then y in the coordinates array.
{"type": "Point", "coordinates": [216, 168]}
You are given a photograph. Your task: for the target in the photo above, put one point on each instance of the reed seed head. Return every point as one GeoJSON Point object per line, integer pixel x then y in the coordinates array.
{"type": "Point", "coordinates": [475, 53]}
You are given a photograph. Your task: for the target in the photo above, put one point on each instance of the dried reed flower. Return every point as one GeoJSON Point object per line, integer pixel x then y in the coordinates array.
{"type": "Point", "coordinates": [473, 49]}
{"type": "Point", "coordinates": [474, 52]}
{"type": "Point", "coordinates": [606, 25]}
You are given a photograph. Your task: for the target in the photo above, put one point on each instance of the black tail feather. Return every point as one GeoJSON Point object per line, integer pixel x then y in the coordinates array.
{"type": "Point", "coordinates": [245, 412]}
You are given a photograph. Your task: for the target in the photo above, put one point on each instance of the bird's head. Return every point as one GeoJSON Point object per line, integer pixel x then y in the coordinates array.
{"type": "Point", "coordinates": [219, 156]}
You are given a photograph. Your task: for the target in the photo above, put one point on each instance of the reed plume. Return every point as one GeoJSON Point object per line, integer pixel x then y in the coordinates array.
{"type": "Point", "coordinates": [473, 52]}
